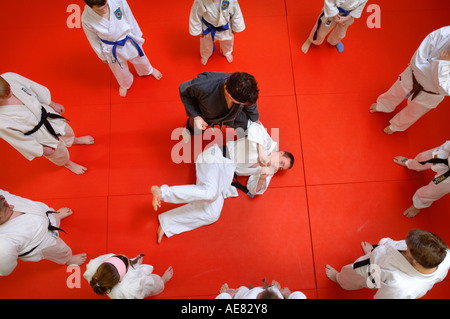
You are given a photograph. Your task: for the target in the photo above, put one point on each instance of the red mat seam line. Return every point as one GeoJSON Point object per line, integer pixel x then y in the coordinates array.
{"type": "Point", "coordinates": [301, 150]}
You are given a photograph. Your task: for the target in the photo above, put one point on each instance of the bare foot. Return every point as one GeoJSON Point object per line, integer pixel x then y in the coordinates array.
{"type": "Point", "coordinates": [75, 168]}
{"type": "Point", "coordinates": [366, 247]}
{"type": "Point", "coordinates": [331, 273]}
{"type": "Point", "coordinates": [77, 259]}
{"type": "Point", "coordinates": [63, 213]}
{"type": "Point", "coordinates": [156, 201]}
{"type": "Point", "coordinates": [83, 140]}
{"type": "Point", "coordinates": [156, 74]}
{"type": "Point", "coordinates": [168, 274]}
{"type": "Point", "coordinates": [204, 61]}
{"type": "Point", "coordinates": [388, 130]}
{"type": "Point", "coordinates": [123, 92]}
{"type": "Point", "coordinates": [229, 58]}
{"type": "Point", "coordinates": [305, 46]}
{"type": "Point", "coordinates": [411, 211]}
{"type": "Point", "coordinates": [276, 284]}
{"type": "Point", "coordinates": [401, 160]}
{"type": "Point", "coordinates": [159, 234]}
{"type": "Point", "coordinates": [224, 288]}
{"type": "Point", "coordinates": [373, 108]}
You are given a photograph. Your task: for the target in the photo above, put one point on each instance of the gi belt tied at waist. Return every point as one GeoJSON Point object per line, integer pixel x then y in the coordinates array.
{"type": "Point", "coordinates": [212, 29]}
{"type": "Point", "coordinates": [122, 43]}
{"type": "Point", "coordinates": [442, 177]}
{"type": "Point", "coordinates": [417, 88]}
{"type": "Point", "coordinates": [342, 12]}
{"type": "Point", "coordinates": [236, 182]}
{"type": "Point", "coordinates": [44, 121]}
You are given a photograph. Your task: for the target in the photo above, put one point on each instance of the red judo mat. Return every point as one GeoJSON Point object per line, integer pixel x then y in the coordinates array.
{"type": "Point", "coordinates": [344, 187]}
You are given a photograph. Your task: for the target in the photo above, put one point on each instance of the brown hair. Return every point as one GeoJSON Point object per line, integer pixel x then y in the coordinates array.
{"type": "Point", "coordinates": [5, 88]}
{"type": "Point", "coordinates": [106, 277]}
{"type": "Point", "coordinates": [428, 249]}
{"type": "Point", "coordinates": [92, 3]}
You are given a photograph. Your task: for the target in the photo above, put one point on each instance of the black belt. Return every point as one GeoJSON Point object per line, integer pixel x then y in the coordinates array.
{"type": "Point", "coordinates": [442, 177]}
{"type": "Point", "coordinates": [417, 88]}
{"type": "Point", "coordinates": [50, 227]}
{"type": "Point", "coordinates": [236, 182]}
{"type": "Point", "coordinates": [366, 262]}
{"type": "Point", "coordinates": [44, 121]}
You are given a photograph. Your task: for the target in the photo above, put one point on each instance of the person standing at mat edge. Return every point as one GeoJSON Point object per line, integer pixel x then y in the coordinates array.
{"type": "Point", "coordinates": [216, 20]}
{"type": "Point", "coordinates": [424, 83]}
{"type": "Point", "coordinates": [405, 269]}
{"type": "Point", "coordinates": [336, 15]}
{"type": "Point", "coordinates": [116, 38]}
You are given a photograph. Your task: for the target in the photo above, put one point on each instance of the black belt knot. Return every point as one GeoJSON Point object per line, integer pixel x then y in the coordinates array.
{"type": "Point", "coordinates": [44, 121]}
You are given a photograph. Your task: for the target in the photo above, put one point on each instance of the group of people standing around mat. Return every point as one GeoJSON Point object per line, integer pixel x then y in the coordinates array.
{"type": "Point", "coordinates": [32, 123]}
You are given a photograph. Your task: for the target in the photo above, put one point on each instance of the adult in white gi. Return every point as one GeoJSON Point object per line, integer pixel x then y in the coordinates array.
{"type": "Point", "coordinates": [336, 15]}
{"type": "Point", "coordinates": [405, 269]}
{"type": "Point", "coordinates": [435, 159]}
{"type": "Point", "coordinates": [256, 156]}
{"type": "Point", "coordinates": [274, 291]}
{"type": "Point", "coordinates": [216, 20]}
{"type": "Point", "coordinates": [31, 123]}
{"type": "Point", "coordinates": [425, 83]}
{"type": "Point", "coordinates": [119, 277]}
{"type": "Point", "coordinates": [116, 38]}
{"type": "Point", "coordinates": [28, 233]}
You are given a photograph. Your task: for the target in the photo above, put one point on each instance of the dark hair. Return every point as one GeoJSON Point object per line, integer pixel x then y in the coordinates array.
{"type": "Point", "coordinates": [243, 87]}
{"type": "Point", "coordinates": [289, 156]}
{"type": "Point", "coordinates": [266, 293]}
{"type": "Point", "coordinates": [92, 3]}
{"type": "Point", "coordinates": [5, 88]}
{"type": "Point", "coordinates": [428, 249]}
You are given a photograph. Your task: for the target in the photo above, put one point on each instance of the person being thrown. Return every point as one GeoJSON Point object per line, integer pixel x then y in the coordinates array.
{"type": "Point", "coordinates": [256, 156]}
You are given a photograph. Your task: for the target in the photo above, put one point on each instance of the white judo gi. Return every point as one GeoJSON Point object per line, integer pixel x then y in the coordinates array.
{"type": "Point", "coordinates": [29, 230]}
{"type": "Point", "coordinates": [247, 293]}
{"type": "Point", "coordinates": [430, 72]}
{"type": "Point", "coordinates": [427, 194]}
{"type": "Point", "coordinates": [327, 23]}
{"type": "Point", "coordinates": [395, 276]}
{"type": "Point", "coordinates": [120, 25]}
{"type": "Point", "coordinates": [138, 283]}
{"type": "Point", "coordinates": [16, 120]}
{"type": "Point", "coordinates": [214, 176]}
{"type": "Point", "coordinates": [219, 14]}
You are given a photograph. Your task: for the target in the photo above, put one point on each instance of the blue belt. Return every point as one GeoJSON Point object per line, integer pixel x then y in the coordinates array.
{"type": "Point", "coordinates": [212, 29]}
{"type": "Point", "coordinates": [342, 12]}
{"type": "Point", "coordinates": [122, 43]}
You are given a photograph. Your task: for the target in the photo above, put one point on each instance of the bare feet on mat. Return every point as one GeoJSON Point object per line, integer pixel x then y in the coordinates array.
{"type": "Point", "coordinates": [75, 168]}
{"type": "Point", "coordinates": [366, 247]}
{"type": "Point", "coordinates": [63, 213]}
{"type": "Point", "coordinates": [156, 201]}
{"type": "Point", "coordinates": [123, 92]}
{"type": "Point", "coordinates": [229, 58]}
{"type": "Point", "coordinates": [373, 108]}
{"type": "Point", "coordinates": [84, 140]}
{"type": "Point", "coordinates": [400, 160]}
{"type": "Point", "coordinates": [204, 61]}
{"type": "Point", "coordinates": [388, 130]}
{"type": "Point", "coordinates": [156, 74]}
{"type": "Point", "coordinates": [305, 46]}
{"type": "Point", "coordinates": [168, 274]}
{"type": "Point", "coordinates": [159, 234]}
{"type": "Point", "coordinates": [77, 259]}
{"type": "Point", "coordinates": [331, 273]}
{"type": "Point", "coordinates": [411, 212]}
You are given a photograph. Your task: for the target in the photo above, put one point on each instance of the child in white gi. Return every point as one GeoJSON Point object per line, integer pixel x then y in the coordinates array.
{"type": "Point", "coordinates": [255, 156]}
{"type": "Point", "coordinates": [116, 38]}
{"type": "Point", "coordinates": [435, 159]}
{"type": "Point", "coordinates": [29, 231]}
{"type": "Point", "coordinates": [31, 122]}
{"type": "Point", "coordinates": [119, 277]}
{"type": "Point", "coordinates": [337, 15]}
{"type": "Point", "coordinates": [424, 83]}
{"type": "Point", "coordinates": [405, 269]}
{"type": "Point", "coordinates": [274, 291]}
{"type": "Point", "coordinates": [216, 20]}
